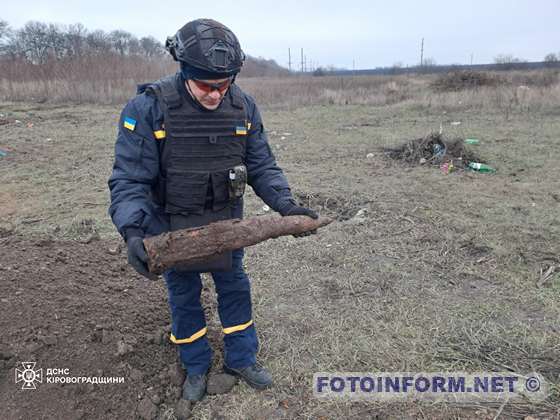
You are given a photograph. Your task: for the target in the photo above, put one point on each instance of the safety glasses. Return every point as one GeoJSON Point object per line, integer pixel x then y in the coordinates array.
{"type": "Point", "coordinates": [210, 87]}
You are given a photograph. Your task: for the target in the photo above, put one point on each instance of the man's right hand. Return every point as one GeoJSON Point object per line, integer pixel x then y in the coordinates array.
{"type": "Point", "coordinates": [138, 258]}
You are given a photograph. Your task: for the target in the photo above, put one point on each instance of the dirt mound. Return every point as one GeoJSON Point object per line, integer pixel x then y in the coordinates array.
{"type": "Point", "coordinates": [433, 149]}
{"type": "Point", "coordinates": [78, 306]}
{"type": "Point", "coordinates": [466, 79]}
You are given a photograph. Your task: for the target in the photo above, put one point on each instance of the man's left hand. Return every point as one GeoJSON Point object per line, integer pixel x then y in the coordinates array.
{"type": "Point", "coordinates": [296, 210]}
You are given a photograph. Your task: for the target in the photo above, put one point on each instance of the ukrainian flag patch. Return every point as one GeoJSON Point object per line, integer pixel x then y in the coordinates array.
{"type": "Point", "coordinates": [240, 131]}
{"type": "Point", "coordinates": [159, 134]}
{"type": "Point", "coordinates": [129, 123]}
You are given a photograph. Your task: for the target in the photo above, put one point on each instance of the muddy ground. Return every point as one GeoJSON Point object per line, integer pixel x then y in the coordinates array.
{"type": "Point", "coordinates": [421, 271]}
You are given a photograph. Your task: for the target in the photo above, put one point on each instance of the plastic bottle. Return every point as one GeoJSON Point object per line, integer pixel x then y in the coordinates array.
{"type": "Point", "coordinates": [481, 167]}
{"type": "Point", "coordinates": [438, 150]}
{"type": "Point", "coordinates": [472, 141]}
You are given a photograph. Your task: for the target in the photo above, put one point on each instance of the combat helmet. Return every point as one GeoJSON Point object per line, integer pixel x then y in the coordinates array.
{"type": "Point", "coordinates": [207, 46]}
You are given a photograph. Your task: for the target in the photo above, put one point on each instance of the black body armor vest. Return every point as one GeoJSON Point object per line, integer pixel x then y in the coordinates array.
{"type": "Point", "coordinates": [201, 147]}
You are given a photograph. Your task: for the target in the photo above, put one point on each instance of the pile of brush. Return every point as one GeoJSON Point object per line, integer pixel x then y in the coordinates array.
{"type": "Point", "coordinates": [433, 149]}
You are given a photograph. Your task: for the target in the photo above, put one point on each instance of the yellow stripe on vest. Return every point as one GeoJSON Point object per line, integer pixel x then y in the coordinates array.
{"type": "Point", "coordinates": [190, 339]}
{"type": "Point", "coordinates": [159, 134]}
{"type": "Point", "coordinates": [236, 328]}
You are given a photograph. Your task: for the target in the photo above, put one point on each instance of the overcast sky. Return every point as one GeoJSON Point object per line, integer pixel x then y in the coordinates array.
{"type": "Point", "coordinates": [366, 34]}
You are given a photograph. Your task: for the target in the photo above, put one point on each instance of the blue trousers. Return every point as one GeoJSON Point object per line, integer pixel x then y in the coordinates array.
{"type": "Point", "coordinates": [188, 326]}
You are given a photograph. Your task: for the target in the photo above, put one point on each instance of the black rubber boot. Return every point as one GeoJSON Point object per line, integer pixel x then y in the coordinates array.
{"type": "Point", "coordinates": [256, 376]}
{"type": "Point", "coordinates": [194, 387]}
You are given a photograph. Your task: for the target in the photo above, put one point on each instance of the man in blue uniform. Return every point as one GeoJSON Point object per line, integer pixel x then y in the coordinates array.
{"type": "Point", "coordinates": [186, 147]}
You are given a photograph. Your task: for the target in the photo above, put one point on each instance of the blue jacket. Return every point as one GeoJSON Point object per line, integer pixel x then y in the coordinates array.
{"type": "Point", "coordinates": [137, 160]}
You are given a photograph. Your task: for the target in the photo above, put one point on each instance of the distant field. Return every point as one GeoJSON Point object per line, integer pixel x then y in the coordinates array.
{"type": "Point", "coordinates": [421, 272]}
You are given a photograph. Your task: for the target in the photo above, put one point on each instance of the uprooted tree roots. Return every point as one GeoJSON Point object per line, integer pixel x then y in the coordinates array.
{"type": "Point", "coordinates": [433, 149]}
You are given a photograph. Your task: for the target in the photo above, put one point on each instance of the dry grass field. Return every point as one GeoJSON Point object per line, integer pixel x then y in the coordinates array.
{"type": "Point", "coordinates": [421, 271]}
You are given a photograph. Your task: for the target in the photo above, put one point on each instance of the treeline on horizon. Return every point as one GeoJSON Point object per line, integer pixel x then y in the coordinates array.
{"type": "Point", "coordinates": [41, 51]}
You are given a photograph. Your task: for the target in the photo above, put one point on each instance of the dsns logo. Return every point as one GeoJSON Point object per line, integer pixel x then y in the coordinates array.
{"type": "Point", "coordinates": [29, 375]}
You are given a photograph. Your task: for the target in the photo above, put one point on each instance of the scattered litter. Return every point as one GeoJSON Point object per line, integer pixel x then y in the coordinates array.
{"type": "Point", "coordinates": [456, 123]}
{"type": "Point", "coordinates": [265, 208]}
{"type": "Point", "coordinates": [48, 139]}
{"type": "Point", "coordinates": [360, 213]}
{"type": "Point", "coordinates": [29, 125]}
{"type": "Point", "coordinates": [359, 218]}
{"type": "Point", "coordinates": [472, 141]}
{"type": "Point", "coordinates": [481, 167]}
{"type": "Point", "coordinates": [114, 250]}
{"type": "Point", "coordinates": [282, 138]}
{"type": "Point", "coordinates": [438, 149]}
{"type": "Point", "coordinates": [434, 149]}
{"type": "Point", "coordinates": [447, 167]}
{"type": "Point", "coordinates": [286, 134]}
{"type": "Point", "coordinates": [370, 155]}
{"type": "Point", "coordinates": [17, 121]}
{"type": "Point", "coordinates": [3, 153]}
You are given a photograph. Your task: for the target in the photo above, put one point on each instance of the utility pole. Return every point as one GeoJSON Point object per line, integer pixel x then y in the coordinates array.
{"type": "Point", "coordinates": [422, 53]}
{"type": "Point", "coordinates": [289, 60]}
{"type": "Point", "coordinates": [353, 67]}
{"type": "Point", "coordinates": [302, 60]}
{"type": "Point", "coordinates": [304, 63]}
{"type": "Point", "coordinates": [471, 58]}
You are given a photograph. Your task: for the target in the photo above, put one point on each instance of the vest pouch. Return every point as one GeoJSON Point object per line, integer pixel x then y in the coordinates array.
{"type": "Point", "coordinates": [186, 191]}
{"type": "Point", "coordinates": [220, 188]}
{"type": "Point", "coordinates": [221, 262]}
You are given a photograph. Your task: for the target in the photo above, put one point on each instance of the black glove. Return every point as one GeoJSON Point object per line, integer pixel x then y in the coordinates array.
{"type": "Point", "coordinates": [292, 209]}
{"type": "Point", "coordinates": [138, 258]}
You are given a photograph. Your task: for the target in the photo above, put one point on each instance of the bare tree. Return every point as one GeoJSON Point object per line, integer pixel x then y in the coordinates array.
{"type": "Point", "coordinates": [32, 41]}
{"type": "Point", "coordinates": [76, 40]}
{"type": "Point", "coordinates": [429, 62]}
{"type": "Point", "coordinates": [55, 39]}
{"type": "Point", "coordinates": [134, 47]}
{"type": "Point", "coordinates": [98, 42]}
{"type": "Point", "coordinates": [507, 61]}
{"type": "Point", "coordinates": [5, 34]}
{"type": "Point", "coordinates": [151, 47]}
{"type": "Point", "coordinates": [121, 41]}
{"type": "Point", "coordinates": [4, 29]}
